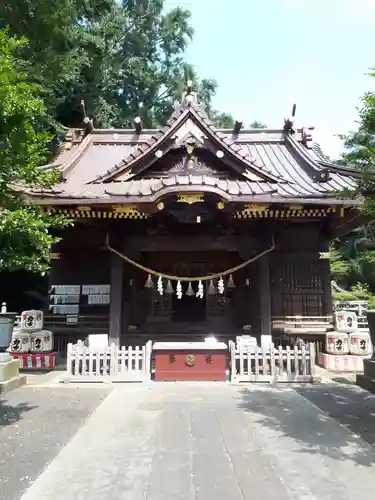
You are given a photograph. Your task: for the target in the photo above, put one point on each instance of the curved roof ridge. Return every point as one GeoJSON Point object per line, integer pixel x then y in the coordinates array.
{"type": "Point", "coordinates": [310, 166]}
{"type": "Point", "coordinates": [317, 148]}
{"type": "Point", "coordinates": [179, 116]}
{"type": "Point", "coordinates": [341, 169]}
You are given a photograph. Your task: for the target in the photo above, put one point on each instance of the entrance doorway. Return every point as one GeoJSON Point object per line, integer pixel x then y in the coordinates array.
{"type": "Point", "coordinates": [189, 308]}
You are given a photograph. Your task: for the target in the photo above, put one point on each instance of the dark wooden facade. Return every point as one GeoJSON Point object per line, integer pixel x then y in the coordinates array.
{"type": "Point", "coordinates": [190, 201]}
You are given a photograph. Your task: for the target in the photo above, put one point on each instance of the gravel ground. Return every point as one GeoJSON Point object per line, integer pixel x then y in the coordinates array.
{"type": "Point", "coordinates": [35, 423]}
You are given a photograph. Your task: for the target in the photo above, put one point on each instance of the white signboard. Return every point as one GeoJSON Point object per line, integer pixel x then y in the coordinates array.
{"type": "Point", "coordinates": [98, 341]}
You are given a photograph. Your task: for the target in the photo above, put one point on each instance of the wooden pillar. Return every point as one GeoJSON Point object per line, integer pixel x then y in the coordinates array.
{"type": "Point", "coordinates": [327, 287]}
{"type": "Point", "coordinates": [265, 301]}
{"type": "Point", "coordinates": [115, 307]}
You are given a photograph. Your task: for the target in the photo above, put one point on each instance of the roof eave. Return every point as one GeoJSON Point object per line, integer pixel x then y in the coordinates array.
{"type": "Point", "coordinates": [46, 200]}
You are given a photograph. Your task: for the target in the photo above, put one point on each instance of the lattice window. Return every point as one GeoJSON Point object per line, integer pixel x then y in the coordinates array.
{"type": "Point", "coordinates": [296, 276]}
{"type": "Point", "coordinates": [297, 286]}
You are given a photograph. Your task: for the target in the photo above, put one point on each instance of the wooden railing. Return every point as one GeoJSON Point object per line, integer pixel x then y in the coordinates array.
{"type": "Point", "coordinates": [108, 364]}
{"type": "Point", "coordinates": [299, 325]}
{"type": "Point", "coordinates": [255, 364]}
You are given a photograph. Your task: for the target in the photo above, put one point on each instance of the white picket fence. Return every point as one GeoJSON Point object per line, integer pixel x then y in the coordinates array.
{"type": "Point", "coordinates": [111, 364]}
{"type": "Point", "coordinates": [254, 364]}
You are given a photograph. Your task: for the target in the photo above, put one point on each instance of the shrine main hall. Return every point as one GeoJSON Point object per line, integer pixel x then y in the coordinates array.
{"type": "Point", "coordinates": [192, 231]}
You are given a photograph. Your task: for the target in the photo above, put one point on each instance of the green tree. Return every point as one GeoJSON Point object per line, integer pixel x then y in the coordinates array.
{"type": "Point", "coordinates": [354, 254]}
{"type": "Point", "coordinates": [113, 55]}
{"type": "Point", "coordinates": [123, 58]}
{"type": "Point", "coordinates": [25, 239]}
{"type": "Point", "coordinates": [257, 124]}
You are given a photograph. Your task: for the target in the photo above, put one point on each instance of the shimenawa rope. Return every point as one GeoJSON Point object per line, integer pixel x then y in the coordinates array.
{"type": "Point", "coordinates": [191, 278]}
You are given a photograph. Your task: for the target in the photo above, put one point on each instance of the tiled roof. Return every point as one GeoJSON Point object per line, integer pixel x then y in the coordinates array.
{"type": "Point", "coordinates": [100, 166]}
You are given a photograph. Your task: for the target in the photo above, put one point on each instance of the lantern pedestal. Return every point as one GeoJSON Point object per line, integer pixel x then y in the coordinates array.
{"type": "Point", "coordinates": [342, 363]}
{"type": "Point", "coordinates": [10, 377]}
{"type": "Point", "coordinates": [190, 361]}
{"type": "Point", "coordinates": [367, 380]}
{"type": "Point", "coordinates": [33, 361]}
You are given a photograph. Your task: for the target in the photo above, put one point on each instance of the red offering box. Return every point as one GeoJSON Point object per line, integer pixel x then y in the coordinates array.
{"type": "Point", "coordinates": [195, 362]}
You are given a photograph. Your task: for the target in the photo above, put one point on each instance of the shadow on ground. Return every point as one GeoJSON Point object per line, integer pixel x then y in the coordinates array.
{"type": "Point", "coordinates": [343, 380]}
{"type": "Point", "coordinates": [10, 414]}
{"type": "Point", "coordinates": [348, 404]}
{"type": "Point", "coordinates": [286, 414]}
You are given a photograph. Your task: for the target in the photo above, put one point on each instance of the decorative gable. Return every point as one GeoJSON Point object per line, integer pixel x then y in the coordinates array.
{"type": "Point", "coordinates": [190, 159]}
{"type": "Point", "coordinates": [188, 127]}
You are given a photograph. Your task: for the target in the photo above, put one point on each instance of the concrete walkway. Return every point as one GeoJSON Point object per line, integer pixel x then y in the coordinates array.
{"type": "Point", "coordinates": [209, 441]}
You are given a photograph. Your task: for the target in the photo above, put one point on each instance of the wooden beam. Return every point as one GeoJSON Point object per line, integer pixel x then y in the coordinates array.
{"type": "Point", "coordinates": [182, 243]}
{"type": "Point", "coordinates": [237, 127]}
{"type": "Point", "coordinates": [138, 124]}
{"type": "Point", "coordinates": [265, 300]}
{"type": "Point", "coordinates": [115, 306]}
{"type": "Point", "coordinates": [325, 268]}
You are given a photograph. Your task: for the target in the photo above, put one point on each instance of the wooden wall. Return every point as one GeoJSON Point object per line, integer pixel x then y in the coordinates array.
{"type": "Point", "coordinates": [81, 262]}
{"type": "Point", "coordinates": [300, 280]}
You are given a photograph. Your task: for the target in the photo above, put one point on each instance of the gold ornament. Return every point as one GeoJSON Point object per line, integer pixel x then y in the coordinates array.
{"type": "Point", "coordinates": [190, 360]}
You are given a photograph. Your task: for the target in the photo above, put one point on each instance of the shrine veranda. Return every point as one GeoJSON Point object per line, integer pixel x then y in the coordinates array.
{"type": "Point", "coordinates": [192, 231]}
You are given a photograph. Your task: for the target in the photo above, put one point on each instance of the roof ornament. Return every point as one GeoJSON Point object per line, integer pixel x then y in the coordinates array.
{"type": "Point", "coordinates": [138, 125]}
{"type": "Point", "coordinates": [289, 122]}
{"type": "Point", "coordinates": [237, 127]}
{"type": "Point", "coordinates": [189, 97]}
{"type": "Point", "coordinates": [88, 125]}
{"type": "Point", "coordinates": [306, 135]}
{"type": "Point", "coordinates": [138, 120]}
{"type": "Point", "coordinates": [322, 175]}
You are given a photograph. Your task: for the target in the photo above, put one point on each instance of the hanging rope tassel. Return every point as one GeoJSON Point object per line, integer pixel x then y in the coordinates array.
{"type": "Point", "coordinates": [230, 283]}
{"type": "Point", "coordinates": [149, 283]}
{"type": "Point", "coordinates": [169, 287]}
{"type": "Point", "coordinates": [190, 290]}
{"type": "Point", "coordinates": [211, 288]}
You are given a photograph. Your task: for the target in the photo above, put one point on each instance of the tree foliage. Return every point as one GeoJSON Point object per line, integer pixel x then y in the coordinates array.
{"type": "Point", "coordinates": [257, 124]}
{"type": "Point", "coordinates": [354, 255]}
{"type": "Point", "coordinates": [24, 238]}
{"type": "Point", "coordinates": [123, 58]}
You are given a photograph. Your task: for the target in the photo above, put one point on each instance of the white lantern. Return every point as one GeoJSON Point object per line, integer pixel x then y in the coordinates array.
{"type": "Point", "coordinates": [337, 343]}
{"type": "Point", "coordinates": [360, 344]}
{"type": "Point", "coordinates": [31, 321]}
{"type": "Point", "coordinates": [346, 321]}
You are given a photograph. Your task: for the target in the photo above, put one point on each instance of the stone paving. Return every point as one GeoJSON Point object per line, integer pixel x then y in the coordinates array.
{"type": "Point", "coordinates": [35, 424]}
{"type": "Point", "coordinates": [190, 441]}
